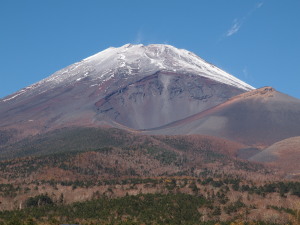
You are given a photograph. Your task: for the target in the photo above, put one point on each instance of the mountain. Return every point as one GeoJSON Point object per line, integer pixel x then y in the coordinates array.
{"type": "Point", "coordinates": [155, 89]}
{"type": "Point", "coordinates": [131, 87]}
{"type": "Point", "coordinates": [257, 118]}
{"type": "Point", "coordinates": [138, 125]}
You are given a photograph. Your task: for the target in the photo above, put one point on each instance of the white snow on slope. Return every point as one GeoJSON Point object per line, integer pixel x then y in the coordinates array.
{"type": "Point", "coordinates": [131, 60]}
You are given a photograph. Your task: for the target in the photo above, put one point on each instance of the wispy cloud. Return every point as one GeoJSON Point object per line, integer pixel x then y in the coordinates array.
{"type": "Point", "coordinates": [245, 72]}
{"type": "Point", "coordinates": [247, 75]}
{"type": "Point", "coordinates": [237, 23]}
{"type": "Point", "coordinates": [138, 37]}
{"type": "Point", "coordinates": [259, 5]}
{"type": "Point", "coordinates": [234, 28]}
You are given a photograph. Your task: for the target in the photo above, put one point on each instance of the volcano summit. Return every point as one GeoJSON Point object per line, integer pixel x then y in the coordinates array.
{"type": "Point", "coordinates": [133, 86]}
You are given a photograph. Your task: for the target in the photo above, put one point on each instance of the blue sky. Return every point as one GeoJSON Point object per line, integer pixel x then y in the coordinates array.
{"type": "Point", "coordinates": [257, 41]}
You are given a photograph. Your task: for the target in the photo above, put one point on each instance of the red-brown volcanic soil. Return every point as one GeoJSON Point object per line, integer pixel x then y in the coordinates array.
{"type": "Point", "coordinates": [284, 155]}
{"type": "Point", "coordinates": [257, 118]}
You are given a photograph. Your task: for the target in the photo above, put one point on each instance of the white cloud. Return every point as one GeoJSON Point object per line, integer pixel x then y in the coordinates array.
{"type": "Point", "coordinates": [235, 28]}
{"type": "Point", "coordinates": [237, 23]}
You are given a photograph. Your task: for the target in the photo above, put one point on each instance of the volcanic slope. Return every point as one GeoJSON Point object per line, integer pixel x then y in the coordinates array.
{"type": "Point", "coordinates": [257, 118]}
{"type": "Point", "coordinates": [284, 155]}
{"type": "Point", "coordinates": [132, 86]}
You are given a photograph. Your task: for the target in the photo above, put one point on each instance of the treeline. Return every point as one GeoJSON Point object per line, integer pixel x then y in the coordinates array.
{"type": "Point", "coordinates": [282, 188]}
{"type": "Point", "coordinates": [147, 209]}
{"type": "Point", "coordinates": [208, 200]}
{"type": "Point", "coordinates": [140, 209]}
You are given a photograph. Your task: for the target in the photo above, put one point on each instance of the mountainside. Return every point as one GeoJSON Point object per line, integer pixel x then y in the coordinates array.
{"type": "Point", "coordinates": [135, 86]}
{"type": "Point", "coordinates": [78, 139]}
{"type": "Point", "coordinates": [259, 118]}
{"type": "Point", "coordinates": [284, 155]}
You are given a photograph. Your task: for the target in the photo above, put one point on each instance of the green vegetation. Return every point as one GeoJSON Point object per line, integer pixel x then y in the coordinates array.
{"type": "Point", "coordinates": [281, 209]}
{"type": "Point", "coordinates": [234, 207]}
{"type": "Point", "coordinates": [282, 188]}
{"type": "Point", "coordinates": [163, 155]}
{"type": "Point", "coordinates": [209, 198]}
{"type": "Point", "coordinates": [140, 209]}
{"type": "Point", "coordinates": [66, 140]}
{"type": "Point", "coordinates": [39, 200]}
{"type": "Point", "coordinates": [178, 143]}
{"type": "Point", "coordinates": [147, 208]}
{"type": "Point", "coordinates": [8, 190]}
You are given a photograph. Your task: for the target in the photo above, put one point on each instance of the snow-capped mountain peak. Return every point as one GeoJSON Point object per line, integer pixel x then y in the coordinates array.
{"type": "Point", "coordinates": [156, 57]}
{"type": "Point", "coordinates": [132, 60]}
